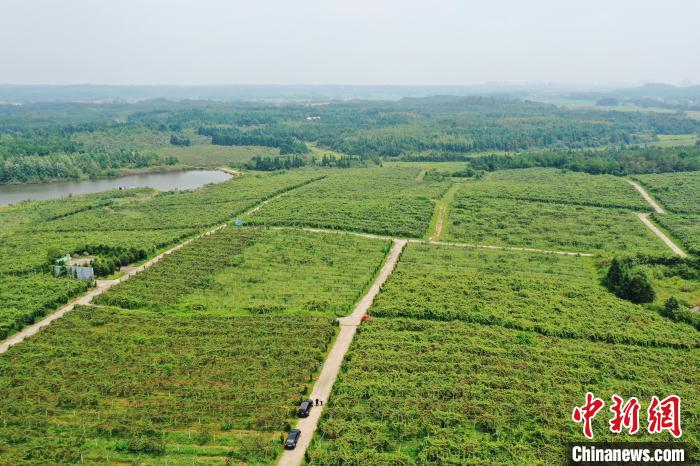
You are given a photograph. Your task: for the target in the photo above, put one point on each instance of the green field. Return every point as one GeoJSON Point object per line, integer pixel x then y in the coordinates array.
{"type": "Point", "coordinates": [678, 192]}
{"type": "Point", "coordinates": [142, 219]}
{"type": "Point", "coordinates": [206, 206]}
{"type": "Point", "coordinates": [675, 140]}
{"type": "Point", "coordinates": [210, 156]}
{"type": "Point", "coordinates": [24, 298]}
{"type": "Point", "coordinates": [125, 137]}
{"type": "Point", "coordinates": [257, 271]}
{"type": "Point", "coordinates": [546, 225]}
{"type": "Point", "coordinates": [105, 386]}
{"type": "Point", "coordinates": [29, 249]}
{"type": "Point", "coordinates": [553, 295]}
{"type": "Point", "coordinates": [201, 153]}
{"type": "Point", "coordinates": [559, 186]}
{"type": "Point", "coordinates": [388, 201]}
{"type": "Point", "coordinates": [422, 392]}
{"type": "Point", "coordinates": [685, 227]}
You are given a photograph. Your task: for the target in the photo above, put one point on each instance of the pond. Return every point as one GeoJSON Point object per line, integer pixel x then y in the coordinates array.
{"type": "Point", "coordinates": [186, 179]}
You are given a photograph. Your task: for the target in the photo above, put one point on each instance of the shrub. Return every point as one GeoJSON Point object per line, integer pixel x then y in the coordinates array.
{"type": "Point", "coordinates": [628, 281]}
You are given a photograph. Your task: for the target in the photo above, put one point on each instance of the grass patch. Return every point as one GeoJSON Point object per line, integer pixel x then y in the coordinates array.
{"type": "Point", "coordinates": [113, 385]}
{"type": "Point", "coordinates": [421, 392]}
{"type": "Point", "coordinates": [377, 200]}
{"type": "Point", "coordinates": [545, 225]}
{"type": "Point", "coordinates": [211, 156]}
{"type": "Point", "coordinates": [678, 192]}
{"type": "Point", "coordinates": [257, 271]}
{"type": "Point", "coordinates": [552, 295]}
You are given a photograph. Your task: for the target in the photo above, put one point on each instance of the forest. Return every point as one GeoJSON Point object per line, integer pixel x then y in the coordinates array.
{"type": "Point", "coordinates": [61, 140]}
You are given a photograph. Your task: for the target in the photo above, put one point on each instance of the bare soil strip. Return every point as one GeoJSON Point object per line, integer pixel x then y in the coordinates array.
{"type": "Point", "coordinates": [329, 372]}
{"type": "Point", "coordinates": [647, 197]}
{"type": "Point", "coordinates": [230, 171]}
{"type": "Point", "coordinates": [676, 250]}
{"type": "Point", "coordinates": [102, 286]}
{"type": "Point", "coordinates": [442, 206]}
{"type": "Point", "coordinates": [438, 223]}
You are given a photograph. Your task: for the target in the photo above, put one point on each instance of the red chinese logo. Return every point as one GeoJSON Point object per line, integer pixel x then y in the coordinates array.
{"type": "Point", "coordinates": [626, 415]}
{"type": "Point", "coordinates": [662, 415]}
{"type": "Point", "coordinates": [587, 412]}
{"type": "Point", "coordinates": [665, 415]}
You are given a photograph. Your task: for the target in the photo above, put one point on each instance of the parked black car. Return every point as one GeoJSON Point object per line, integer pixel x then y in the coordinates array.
{"type": "Point", "coordinates": [305, 408]}
{"type": "Point", "coordinates": [292, 439]}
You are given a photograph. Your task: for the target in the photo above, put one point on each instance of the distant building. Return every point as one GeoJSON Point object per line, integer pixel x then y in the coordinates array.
{"type": "Point", "coordinates": [78, 267]}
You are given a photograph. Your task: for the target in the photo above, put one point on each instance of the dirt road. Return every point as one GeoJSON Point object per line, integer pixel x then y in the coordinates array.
{"type": "Point", "coordinates": [657, 208]}
{"type": "Point", "coordinates": [446, 243]}
{"type": "Point", "coordinates": [442, 213]}
{"type": "Point", "coordinates": [102, 286]}
{"type": "Point", "coordinates": [441, 210]}
{"type": "Point", "coordinates": [329, 372]}
{"type": "Point", "coordinates": [230, 171]}
{"type": "Point", "coordinates": [676, 250]}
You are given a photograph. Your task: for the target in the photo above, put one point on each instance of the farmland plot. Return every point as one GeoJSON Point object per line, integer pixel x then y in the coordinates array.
{"type": "Point", "coordinates": [17, 216]}
{"type": "Point", "coordinates": [200, 208]}
{"type": "Point", "coordinates": [559, 186]}
{"type": "Point", "coordinates": [388, 201]}
{"type": "Point", "coordinates": [141, 218]}
{"type": "Point", "coordinates": [210, 156]}
{"type": "Point", "coordinates": [574, 228]}
{"type": "Point", "coordinates": [678, 192]}
{"type": "Point", "coordinates": [29, 250]}
{"type": "Point", "coordinates": [257, 271]}
{"type": "Point", "coordinates": [425, 392]}
{"type": "Point", "coordinates": [109, 386]}
{"type": "Point", "coordinates": [549, 294]}
{"type": "Point", "coordinates": [685, 227]}
{"type": "Point", "coordinates": [24, 298]}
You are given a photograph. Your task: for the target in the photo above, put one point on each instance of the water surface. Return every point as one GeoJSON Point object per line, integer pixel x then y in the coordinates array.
{"type": "Point", "coordinates": [187, 179]}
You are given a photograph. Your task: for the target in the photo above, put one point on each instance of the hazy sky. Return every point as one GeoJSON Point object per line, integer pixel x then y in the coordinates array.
{"type": "Point", "coordinates": [348, 42]}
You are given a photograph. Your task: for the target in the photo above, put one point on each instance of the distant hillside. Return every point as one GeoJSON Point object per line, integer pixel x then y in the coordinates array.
{"type": "Point", "coordinates": [658, 95]}
{"type": "Point", "coordinates": [662, 91]}
{"type": "Point", "coordinates": [241, 92]}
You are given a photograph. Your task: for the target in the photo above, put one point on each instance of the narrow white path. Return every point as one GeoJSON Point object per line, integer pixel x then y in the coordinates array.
{"type": "Point", "coordinates": [102, 286]}
{"type": "Point", "coordinates": [646, 196]}
{"type": "Point", "coordinates": [504, 248]}
{"type": "Point", "coordinates": [676, 250]}
{"type": "Point", "coordinates": [447, 243]}
{"type": "Point", "coordinates": [331, 367]}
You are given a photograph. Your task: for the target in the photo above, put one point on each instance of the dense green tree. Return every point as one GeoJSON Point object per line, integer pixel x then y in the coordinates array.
{"type": "Point", "coordinates": [628, 281]}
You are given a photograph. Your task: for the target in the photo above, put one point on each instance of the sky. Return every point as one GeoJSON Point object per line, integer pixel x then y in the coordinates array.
{"type": "Point", "coordinates": [406, 42]}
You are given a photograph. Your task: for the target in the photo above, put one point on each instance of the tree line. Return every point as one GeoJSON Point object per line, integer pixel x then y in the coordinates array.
{"type": "Point", "coordinates": [36, 168]}
{"type": "Point", "coordinates": [612, 161]}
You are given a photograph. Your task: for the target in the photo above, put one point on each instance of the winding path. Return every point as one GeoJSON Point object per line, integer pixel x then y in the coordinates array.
{"type": "Point", "coordinates": [329, 372]}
